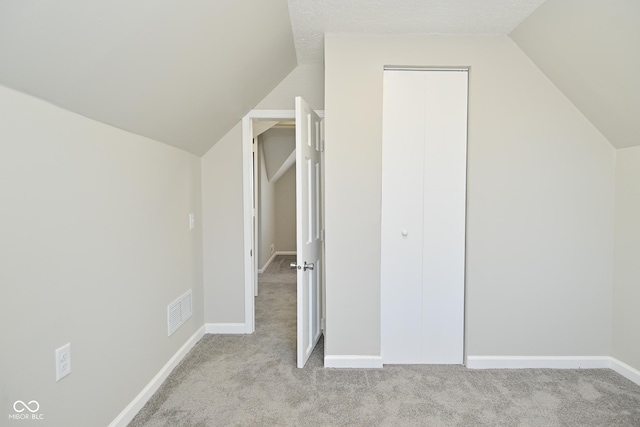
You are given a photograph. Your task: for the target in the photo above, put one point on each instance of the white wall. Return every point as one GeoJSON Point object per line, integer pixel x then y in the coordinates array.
{"type": "Point", "coordinates": [539, 201]}
{"type": "Point", "coordinates": [278, 145]}
{"type": "Point", "coordinates": [588, 48]}
{"type": "Point", "coordinates": [223, 232]}
{"type": "Point", "coordinates": [277, 194]}
{"type": "Point", "coordinates": [267, 211]}
{"type": "Point", "coordinates": [286, 211]}
{"type": "Point", "coordinates": [626, 290]}
{"type": "Point", "coordinates": [182, 73]}
{"type": "Point", "coordinates": [304, 80]}
{"type": "Point", "coordinates": [222, 201]}
{"type": "Point", "coordinates": [94, 245]}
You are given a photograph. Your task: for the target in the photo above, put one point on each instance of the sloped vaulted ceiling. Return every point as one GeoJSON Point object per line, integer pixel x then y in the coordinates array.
{"type": "Point", "coordinates": [185, 72]}
{"type": "Point", "coordinates": [180, 72]}
{"type": "Point", "coordinates": [590, 49]}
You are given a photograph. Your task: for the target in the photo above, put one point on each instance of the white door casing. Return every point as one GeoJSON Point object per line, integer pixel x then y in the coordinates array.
{"type": "Point", "coordinates": [309, 221]}
{"type": "Point", "coordinates": [255, 173]}
{"type": "Point", "coordinates": [423, 216]}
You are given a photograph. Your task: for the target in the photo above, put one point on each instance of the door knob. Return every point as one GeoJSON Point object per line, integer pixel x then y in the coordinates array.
{"type": "Point", "coordinates": [293, 265]}
{"type": "Point", "coordinates": [308, 266]}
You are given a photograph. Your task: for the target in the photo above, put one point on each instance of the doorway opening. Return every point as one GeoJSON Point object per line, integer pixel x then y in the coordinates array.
{"type": "Point", "coordinates": [308, 196]}
{"type": "Point", "coordinates": [253, 124]}
{"type": "Point", "coordinates": [274, 193]}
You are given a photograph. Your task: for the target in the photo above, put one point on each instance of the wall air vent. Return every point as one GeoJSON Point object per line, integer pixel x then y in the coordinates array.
{"type": "Point", "coordinates": [179, 311]}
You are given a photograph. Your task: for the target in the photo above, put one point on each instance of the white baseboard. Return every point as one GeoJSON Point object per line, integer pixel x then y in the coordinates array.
{"type": "Point", "coordinates": [225, 328]}
{"type": "Point", "coordinates": [353, 362]}
{"type": "Point", "coordinates": [268, 263]}
{"type": "Point", "coordinates": [275, 254]}
{"type": "Point", "coordinates": [625, 370]}
{"type": "Point", "coordinates": [533, 362]}
{"type": "Point", "coordinates": [554, 362]}
{"type": "Point", "coordinates": [127, 414]}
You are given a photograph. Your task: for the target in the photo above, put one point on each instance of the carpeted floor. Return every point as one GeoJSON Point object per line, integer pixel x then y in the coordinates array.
{"type": "Point", "coordinates": [252, 380]}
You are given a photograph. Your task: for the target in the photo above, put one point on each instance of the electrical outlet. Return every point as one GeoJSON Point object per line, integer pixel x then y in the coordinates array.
{"type": "Point", "coordinates": [272, 249]}
{"type": "Point", "coordinates": [63, 361]}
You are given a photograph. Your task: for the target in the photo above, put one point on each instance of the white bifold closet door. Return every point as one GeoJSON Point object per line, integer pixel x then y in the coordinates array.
{"type": "Point", "coordinates": [423, 215]}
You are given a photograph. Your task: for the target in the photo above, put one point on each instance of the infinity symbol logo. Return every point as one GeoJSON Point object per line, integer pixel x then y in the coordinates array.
{"type": "Point", "coordinates": [26, 406]}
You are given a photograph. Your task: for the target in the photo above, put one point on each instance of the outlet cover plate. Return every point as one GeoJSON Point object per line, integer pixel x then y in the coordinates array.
{"type": "Point", "coordinates": [63, 361]}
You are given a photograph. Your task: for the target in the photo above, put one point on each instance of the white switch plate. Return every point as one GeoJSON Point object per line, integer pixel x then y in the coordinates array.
{"type": "Point", "coordinates": [63, 361]}
{"type": "Point", "coordinates": [192, 221]}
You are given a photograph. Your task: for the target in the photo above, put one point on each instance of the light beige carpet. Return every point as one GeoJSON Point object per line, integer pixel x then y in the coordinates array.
{"type": "Point", "coordinates": [252, 380]}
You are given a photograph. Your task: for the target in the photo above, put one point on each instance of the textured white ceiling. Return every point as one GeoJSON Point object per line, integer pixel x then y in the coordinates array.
{"type": "Point", "coordinates": [311, 19]}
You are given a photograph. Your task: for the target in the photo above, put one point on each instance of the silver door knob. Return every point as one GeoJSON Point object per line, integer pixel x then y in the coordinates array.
{"type": "Point", "coordinates": [293, 265]}
{"type": "Point", "coordinates": [308, 266]}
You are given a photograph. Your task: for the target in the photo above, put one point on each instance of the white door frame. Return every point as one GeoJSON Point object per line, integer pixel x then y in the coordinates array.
{"type": "Point", "coordinates": [430, 328]}
{"type": "Point", "coordinates": [247, 204]}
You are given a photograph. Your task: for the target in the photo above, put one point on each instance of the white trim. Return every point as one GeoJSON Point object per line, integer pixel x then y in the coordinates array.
{"type": "Point", "coordinates": [625, 370]}
{"type": "Point", "coordinates": [531, 362]}
{"type": "Point", "coordinates": [353, 362]}
{"type": "Point", "coordinates": [132, 409]}
{"type": "Point", "coordinates": [275, 254]}
{"type": "Point", "coordinates": [226, 328]}
{"type": "Point", "coordinates": [287, 253]}
{"type": "Point", "coordinates": [268, 263]}
{"type": "Point", "coordinates": [554, 362]}
{"type": "Point", "coordinates": [247, 201]}
{"type": "Point", "coordinates": [413, 68]}
{"type": "Point", "coordinates": [272, 114]}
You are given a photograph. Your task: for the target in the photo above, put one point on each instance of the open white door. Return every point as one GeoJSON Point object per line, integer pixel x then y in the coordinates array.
{"type": "Point", "coordinates": [308, 218]}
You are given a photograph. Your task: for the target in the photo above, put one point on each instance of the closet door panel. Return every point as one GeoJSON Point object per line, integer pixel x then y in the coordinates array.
{"type": "Point", "coordinates": [444, 213]}
{"type": "Point", "coordinates": [402, 222]}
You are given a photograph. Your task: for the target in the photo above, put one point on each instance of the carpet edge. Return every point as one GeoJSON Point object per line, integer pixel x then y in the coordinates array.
{"type": "Point", "coordinates": [132, 409]}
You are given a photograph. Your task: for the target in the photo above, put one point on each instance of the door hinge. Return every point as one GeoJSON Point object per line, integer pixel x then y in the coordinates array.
{"type": "Point", "coordinates": [322, 324]}
{"type": "Point", "coordinates": [250, 252]}
{"type": "Point", "coordinates": [322, 235]}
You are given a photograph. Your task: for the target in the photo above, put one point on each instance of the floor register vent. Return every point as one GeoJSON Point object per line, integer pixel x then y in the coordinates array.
{"type": "Point", "coordinates": [179, 311]}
